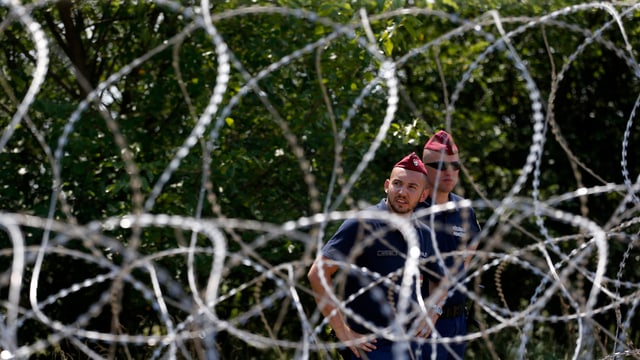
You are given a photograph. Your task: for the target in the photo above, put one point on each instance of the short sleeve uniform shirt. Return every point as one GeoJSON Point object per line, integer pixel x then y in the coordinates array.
{"type": "Point", "coordinates": [452, 229]}
{"type": "Point", "coordinates": [379, 248]}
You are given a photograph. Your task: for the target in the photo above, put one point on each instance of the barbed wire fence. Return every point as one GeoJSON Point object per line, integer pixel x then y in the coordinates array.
{"type": "Point", "coordinates": [168, 298]}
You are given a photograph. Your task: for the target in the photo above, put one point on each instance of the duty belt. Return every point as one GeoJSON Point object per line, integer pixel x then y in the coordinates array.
{"type": "Point", "coordinates": [451, 311]}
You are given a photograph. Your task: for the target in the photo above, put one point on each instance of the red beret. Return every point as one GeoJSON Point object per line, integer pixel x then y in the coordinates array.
{"type": "Point", "coordinates": [442, 141]}
{"type": "Point", "coordinates": [412, 162]}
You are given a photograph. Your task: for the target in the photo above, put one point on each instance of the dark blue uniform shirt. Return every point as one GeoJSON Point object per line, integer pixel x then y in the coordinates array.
{"type": "Point", "coordinates": [381, 248]}
{"type": "Point", "coordinates": [452, 228]}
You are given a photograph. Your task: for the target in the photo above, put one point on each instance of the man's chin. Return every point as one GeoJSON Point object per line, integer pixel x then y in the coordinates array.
{"type": "Point", "coordinates": [402, 209]}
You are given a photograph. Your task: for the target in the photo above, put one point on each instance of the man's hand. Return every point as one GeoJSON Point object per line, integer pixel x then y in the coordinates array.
{"type": "Point", "coordinates": [424, 327]}
{"type": "Point", "coordinates": [345, 334]}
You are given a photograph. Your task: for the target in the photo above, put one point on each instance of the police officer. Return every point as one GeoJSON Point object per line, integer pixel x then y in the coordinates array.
{"type": "Point", "coordinates": [381, 249]}
{"type": "Point", "coordinates": [454, 231]}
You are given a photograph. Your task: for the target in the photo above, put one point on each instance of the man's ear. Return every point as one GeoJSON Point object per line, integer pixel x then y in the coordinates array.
{"type": "Point", "coordinates": [386, 186]}
{"type": "Point", "coordinates": [425, 194]}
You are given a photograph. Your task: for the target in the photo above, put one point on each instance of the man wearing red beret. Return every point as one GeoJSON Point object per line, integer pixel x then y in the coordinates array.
{"type": "Point", "coordinates": [454, 231]}
{"type": "Point", "coordinates": [373, 253]}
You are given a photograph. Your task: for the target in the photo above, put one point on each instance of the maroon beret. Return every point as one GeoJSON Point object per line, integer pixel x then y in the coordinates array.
{"type": "Point", "coordinates": [442, 141]}
{"type": "Point", "coordinates": [412, 162]}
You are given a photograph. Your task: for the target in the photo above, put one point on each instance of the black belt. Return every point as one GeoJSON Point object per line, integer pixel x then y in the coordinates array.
{"type": "Point", "coordinates": [451, 311]}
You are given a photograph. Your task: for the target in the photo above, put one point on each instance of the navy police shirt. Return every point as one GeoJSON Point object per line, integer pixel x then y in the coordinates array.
{"type": "Point", "coordinates": [380, 248]}
{"type": "Point", "coordinates": [452, 228]}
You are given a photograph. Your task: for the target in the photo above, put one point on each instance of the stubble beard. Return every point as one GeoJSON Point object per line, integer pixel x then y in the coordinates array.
{"type": "Point", "coordinates": [395, 209]}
